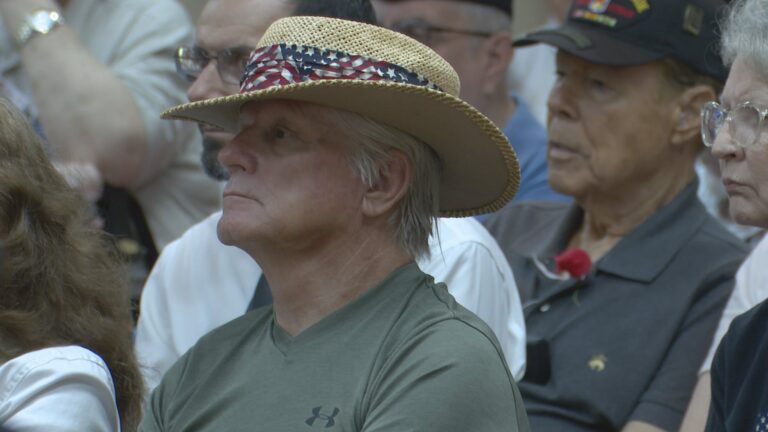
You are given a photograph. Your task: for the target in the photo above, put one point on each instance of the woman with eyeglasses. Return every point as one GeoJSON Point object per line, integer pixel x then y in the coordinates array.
{"type": "Point", "coordinates": [66, 356]}
{"type": "Point", "coordinates": [736, 130]}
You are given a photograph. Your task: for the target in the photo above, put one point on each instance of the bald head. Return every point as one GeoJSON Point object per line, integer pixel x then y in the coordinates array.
{"type": "Point", "coordinates": [235, 26]}
{"type": "Point", "coordinates": [477, 43]}
{"type": "Point", "coordinates": [229, 30]}
{"type": "Point", "coordinates": [228, 23]}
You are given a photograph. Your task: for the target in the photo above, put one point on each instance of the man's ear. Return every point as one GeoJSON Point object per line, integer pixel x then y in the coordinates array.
{"type": "Point", "coordinates": [394, 180]}
{"type": "Point", "coordinates": [687, 121]}
{"type": "Point", "coordinates": [497, 55]}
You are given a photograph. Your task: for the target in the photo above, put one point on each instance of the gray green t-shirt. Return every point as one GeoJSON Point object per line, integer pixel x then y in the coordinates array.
{"type": "Point", "coordinates": [402, 357]}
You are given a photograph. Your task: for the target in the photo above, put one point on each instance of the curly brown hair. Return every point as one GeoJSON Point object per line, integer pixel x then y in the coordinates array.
{"type": "Point", "coordinates": [61, 282]}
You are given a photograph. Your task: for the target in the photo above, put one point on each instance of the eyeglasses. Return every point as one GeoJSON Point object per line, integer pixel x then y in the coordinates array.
{"type": "Point", "coordinates": [425, 33]}
{"type": "Point", "coordinates": [230, 62]}
{"type": "Point", "coordinates": [744, 122]}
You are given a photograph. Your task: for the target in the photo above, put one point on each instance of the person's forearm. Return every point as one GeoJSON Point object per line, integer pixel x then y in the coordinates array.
{"type": "Point", "coordinates": [637, 426]}
{"type": "Point", "coordinates": [87, 113]}
{"type": "Point", "coordinates": [696, 416]}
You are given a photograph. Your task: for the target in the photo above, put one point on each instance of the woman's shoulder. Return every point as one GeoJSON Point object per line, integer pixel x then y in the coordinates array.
{"type": "Point", "coordinates": [63, 358]}
{"type": "Point", "coordinates": [46, 386]}
{"type": "Point", "coordinates": [748, 329]}
{"type": "Point", "coordinates": [47, 366]}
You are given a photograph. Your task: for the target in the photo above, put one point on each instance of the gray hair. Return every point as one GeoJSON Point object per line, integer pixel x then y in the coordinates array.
{"type": "Point", "coordinates": [745, 33]}
{"type": "Point", "coordinates": [418, 209]}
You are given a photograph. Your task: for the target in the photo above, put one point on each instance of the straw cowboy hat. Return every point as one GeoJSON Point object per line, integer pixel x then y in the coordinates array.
{"type": "Point", "coordinates": [387, 77]}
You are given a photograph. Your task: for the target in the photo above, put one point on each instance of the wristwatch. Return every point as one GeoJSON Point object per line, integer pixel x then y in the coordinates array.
{"type": "Point", "coordinates": [40, 22]}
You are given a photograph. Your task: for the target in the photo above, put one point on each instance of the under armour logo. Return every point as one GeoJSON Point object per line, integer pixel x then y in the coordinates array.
{"type": "Point", "coordinates": [316, 414]}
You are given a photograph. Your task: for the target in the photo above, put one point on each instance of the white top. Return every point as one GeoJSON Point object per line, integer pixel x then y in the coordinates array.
{"type": "Point", "coordinates": [532, 74]}
{"type": "Point", "coordinates": [62, 389]}
{"type": "Point", "coordinates": [199, 284]}
{"type": "Point", "coordinates": [751, 288]}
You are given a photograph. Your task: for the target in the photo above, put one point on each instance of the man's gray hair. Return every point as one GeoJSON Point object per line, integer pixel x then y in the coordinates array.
{"type": "Point", "coordinates": [418, 209]}
{"type": "Point", "coordinates": [745, 33]}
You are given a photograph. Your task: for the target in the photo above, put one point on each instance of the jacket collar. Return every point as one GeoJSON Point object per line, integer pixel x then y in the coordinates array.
{"type": "Point", "coordinates": [643, 253]}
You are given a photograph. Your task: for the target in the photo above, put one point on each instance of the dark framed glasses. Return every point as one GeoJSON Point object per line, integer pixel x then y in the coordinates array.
{"type": "Point", "coordinates": [744, 123]}
{"type": "Point", "coordinates": [425, 32]}
{"type": "Point", "coordinates": [230, 62]}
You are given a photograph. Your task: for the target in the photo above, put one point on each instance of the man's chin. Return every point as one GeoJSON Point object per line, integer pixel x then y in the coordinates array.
{"type": "Point", "coordinates": [224, 232]}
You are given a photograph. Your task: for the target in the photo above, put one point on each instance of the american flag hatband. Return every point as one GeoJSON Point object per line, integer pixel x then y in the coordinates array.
{"type": "Point", "coordinates": [283, 64]}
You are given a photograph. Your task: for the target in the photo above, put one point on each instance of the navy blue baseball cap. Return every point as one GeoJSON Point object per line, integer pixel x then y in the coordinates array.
{"type": "Point", "coordinates": [503, 5]}
{"type": "Point", "coordinates": [633, 32]}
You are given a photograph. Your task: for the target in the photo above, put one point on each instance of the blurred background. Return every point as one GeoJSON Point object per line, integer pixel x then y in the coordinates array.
{"type": "Point", "coordinates": [529, 14]}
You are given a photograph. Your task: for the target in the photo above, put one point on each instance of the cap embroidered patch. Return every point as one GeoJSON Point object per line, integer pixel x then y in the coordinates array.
{"type": "Point", "coordinates": [693, 19]}
{"type": "Point", "coordinates": [633, 32]}
{"type": "Point", "coordinates": [594, 17]}
{"type": "Point", "coordinates": [641, 5]}
{"type": "Point", "coordinates": [609, 13]}
{"type": "Point", "coordinates": [598, 6]}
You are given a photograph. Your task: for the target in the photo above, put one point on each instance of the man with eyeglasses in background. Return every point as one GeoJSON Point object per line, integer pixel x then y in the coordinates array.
{"type": "Point", "coordinates": [199, 283]}
{"type": "Point", "coordinates": [475, 36]}
{"type": "Point", "coordinates": [191, 286]}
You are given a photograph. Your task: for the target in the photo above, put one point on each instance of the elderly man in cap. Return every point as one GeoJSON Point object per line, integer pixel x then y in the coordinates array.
{"type": "Point", "coordinates": [622, 290]}
{"type": "Point", "coordinates": [351, 139]}
{"type": "Point", "coordinates": [475, 36]}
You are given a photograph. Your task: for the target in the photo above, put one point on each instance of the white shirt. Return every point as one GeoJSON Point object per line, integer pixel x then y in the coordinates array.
{"type": "Point", "coordinates": [532, 74]}
{"type": "Point", "coordinates": [751, 288]}
{"type": "Point", "coordinates": [199, 284]}
{"type": "Point", "coordinates": [62, 389]}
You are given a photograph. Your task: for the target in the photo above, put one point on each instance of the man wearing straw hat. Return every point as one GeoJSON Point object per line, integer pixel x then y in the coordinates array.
{"type": "Point", "coordinates": [350, 141]}
{"type": "Point", "coordinates": [199, 283]}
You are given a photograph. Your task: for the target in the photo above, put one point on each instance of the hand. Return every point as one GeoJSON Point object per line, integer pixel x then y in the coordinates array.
{"type": "Point", "coordinates": [83, 177]}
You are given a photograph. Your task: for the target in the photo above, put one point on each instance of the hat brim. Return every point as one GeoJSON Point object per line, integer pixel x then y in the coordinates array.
{"type": "Point", "coordinates": [591, 45]}
{"type": "Point", "coordinates": [479, 170]}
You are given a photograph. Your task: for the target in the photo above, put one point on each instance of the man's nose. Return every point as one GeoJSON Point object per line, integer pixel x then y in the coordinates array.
{"type": "Point", "coordinates": [207, 85]}
{"type": "Point", "coordinates": [724, 146]}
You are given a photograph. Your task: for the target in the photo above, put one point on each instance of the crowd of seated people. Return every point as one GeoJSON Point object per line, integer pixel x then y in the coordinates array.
{"type": "Point", "coordinates": [463, 254]}
{"type": "Point", "coordinates": [351, 222]}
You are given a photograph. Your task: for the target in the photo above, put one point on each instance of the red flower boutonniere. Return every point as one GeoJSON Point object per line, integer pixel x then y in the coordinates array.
{"type": "Point", "coordinates": [574, 261]}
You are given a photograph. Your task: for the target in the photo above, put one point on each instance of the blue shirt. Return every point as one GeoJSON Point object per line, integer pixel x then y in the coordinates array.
{"type": "Point", "coordinates": [529, 140]}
